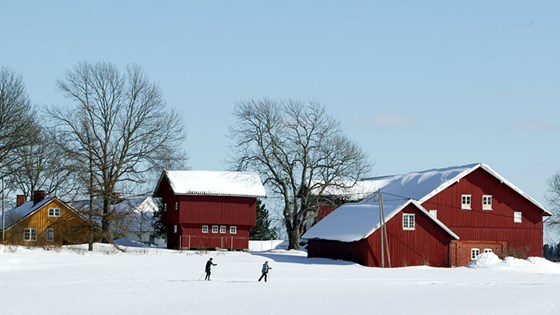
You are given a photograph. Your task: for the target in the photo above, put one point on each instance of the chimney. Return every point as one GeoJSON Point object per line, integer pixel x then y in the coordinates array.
{"type": "Point", "coordinates": [20, 199]}
{"type": "Point", "coordinates": [38, 196]}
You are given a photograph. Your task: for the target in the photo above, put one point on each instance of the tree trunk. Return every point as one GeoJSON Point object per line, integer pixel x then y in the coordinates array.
{"type": "Point", "coordinates": [293, 239]}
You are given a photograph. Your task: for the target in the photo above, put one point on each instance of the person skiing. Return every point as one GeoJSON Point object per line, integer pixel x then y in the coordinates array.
{"type": "Point", "coordinates": [209, 265]}
{"type": "Point", "coordinates": [265, 269]}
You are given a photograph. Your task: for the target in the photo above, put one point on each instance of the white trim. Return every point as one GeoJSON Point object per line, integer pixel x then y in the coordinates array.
{"type": "Point", "coordinates": [176, 205]}
{"type": "Point", "coordinates": [233, 229]}
{"type": "Point", "coordinates": [30, 234]}
{"type": "Point", "coordinates": [175, 228]}
{"type": "Point", "coordinates": [433, 213]}
{"type": "Point", "coordinates": [214, 229]}
{"type": "Point", "coordinates": [408, 221]}
{"type": "Point", "coordinates": [475, 252]}
{"type": "Point", "coordinates": [54, 213]}
{"type": "Point", "coordinates": [466, 202]}
{"type": "Point", "coordinates": [223, 229]}
{"type": "Point", "coordinates": [517, 217]}
{"type": "Point", "coordinates": [487, 250]}
{"type": "Point", "coordinates": [487, 202]}
{"type": "Point", "coordinates": [204, 229]}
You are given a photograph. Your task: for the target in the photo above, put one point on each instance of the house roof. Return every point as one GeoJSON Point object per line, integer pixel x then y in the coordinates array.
{"type": "Point", "coordinates": [23, 211]}
{"type": "Point", "coordinates": [360, 219]}
{"type": "Point", "coordinates": [215, 183]}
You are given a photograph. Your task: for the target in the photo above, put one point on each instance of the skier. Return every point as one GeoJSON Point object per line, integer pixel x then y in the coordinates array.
{"type": "Point", "coordinates": [265, 269]}
{"type": "Point", "coordinates": [209, 265]}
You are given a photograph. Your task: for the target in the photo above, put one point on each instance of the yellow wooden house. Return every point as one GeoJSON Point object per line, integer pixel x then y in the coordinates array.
{"type": "Point", "coordinates": [44, 221]}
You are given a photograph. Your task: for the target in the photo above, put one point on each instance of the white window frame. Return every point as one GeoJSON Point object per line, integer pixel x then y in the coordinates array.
{"type": "Point", "coordinates": [176, 205]}
{"type": "Point", "coordinates": [408, 222]}
{"type": "Point", "coordinates": [165, 207]}
{"type": "Point", "coordinates": [233, 229]}
{"type": "Point", "coordinates": [205, 229]}
{"type": "Point", "coordinates": [433, 213]}
{"type": "Point", "coordinates": [517, 217]}
{"type": "Point", "coordinates": [466, 202]}
{"type": "Point", "coordinates": [488, 250]}
{"type": "Point", "coordinates": [223, 229]}
{"type": "Point", "coordinates": [50, 235]}
{"type": "Point", "coordinates": [30, 234]}
{"type": "Point", "coordinates": [175, 228]}
{"type": "Point", "coordinates": [475, 252]}
{"type": "Point", "coordinates": [487, 202]}
{"type": "Point", "coordinates": [214, 229]}
{"type": "Point", "coordinates": [54, 212]}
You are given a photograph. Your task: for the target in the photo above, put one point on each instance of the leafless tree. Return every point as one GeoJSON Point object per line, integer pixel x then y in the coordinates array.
{"type": "Point", "coordinates": [42, 165]}
{"type": "Point", "coordinates": [18, 123]}
{"type": "Point", "coordinates": [553, 198]}
{"type": "Point", "coordinates": [299, 151]}
{"type": "Point", "coordinates": [118, 131]}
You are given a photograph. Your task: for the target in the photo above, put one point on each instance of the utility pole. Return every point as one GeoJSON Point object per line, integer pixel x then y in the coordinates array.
{"type": "Point", "coordinates": [384, 228]}
{"type": "Point", "coordinates": [3, 216]}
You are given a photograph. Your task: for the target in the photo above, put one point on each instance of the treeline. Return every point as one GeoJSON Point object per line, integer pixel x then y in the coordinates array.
{"type": "Point", "coordinates": [551, 252]}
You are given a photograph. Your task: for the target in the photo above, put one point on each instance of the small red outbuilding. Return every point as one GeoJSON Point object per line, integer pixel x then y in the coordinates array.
{"type": "Point", "coordinates": [209, 209]}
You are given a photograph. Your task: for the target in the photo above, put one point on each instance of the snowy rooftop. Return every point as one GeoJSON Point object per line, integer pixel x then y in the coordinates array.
{"type": "Point", "coordinates": [15, 214]}
{"type": "Point", "coordinates": [354, 221]}
{"type": "Point", "coordinates": [217, 183]}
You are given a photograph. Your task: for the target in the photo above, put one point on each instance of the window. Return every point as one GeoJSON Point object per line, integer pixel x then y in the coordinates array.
{"type": "Point", "coordinates": [487, 202]}
{"type": "Point", "coordinates": [54, 212]}
{"type": "Point", "coordinates": [214, 229]}
{"type": "Point", "coordinates": [475, 252]}
{"type": "Point", "coordinates": [408, 221]}
{"type": "Point", "coordinates": [30, 234]}
{"type": "Point", "coordinates": [223, 229]}
{"type": "Point", "coordinates": [177, 205]}
{"type": "Point", "coordinates": [487, 250]}
{"type": "Point", "coordinates": [233, 229]}
{"type": "Point", "coordinates": [466, 202]}
{"type": "Point", "coordinates": [433, 213]}
{"type": "Point", "coordinates": [205, 229]}
{"type": "Point", "coordinates": [175, 229]}
{"type": "Point", "coordinates": [164, 207]}
{"type": "Point", "coordinates": [50, 235]}
{"type": "Point", "coordinates": [517, 218]}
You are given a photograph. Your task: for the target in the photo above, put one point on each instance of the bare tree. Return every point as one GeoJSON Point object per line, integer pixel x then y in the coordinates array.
{"type": "Point", "coordinates": [119, 130]}
{"type": "Point", "coordinates": [299, 151]}
{"type": "Point", "coordinates": [18, 124]}
{"type": "Point", "coordinates": [553, 197]}
{"type": "Point", "coordinates": [42, 165]}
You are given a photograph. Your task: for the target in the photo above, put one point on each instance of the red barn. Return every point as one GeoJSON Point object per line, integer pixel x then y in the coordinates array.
{"type": "Point", "coordinates": [209, 209]}
{"type": "Point", "coordinates": [438, 217]}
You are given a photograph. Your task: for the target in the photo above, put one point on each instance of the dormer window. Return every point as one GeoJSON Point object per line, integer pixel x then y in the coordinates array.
{"type": "Point", "coordinates": [466, 202]}
{"type": "Point", "coordinates": [487, 202]}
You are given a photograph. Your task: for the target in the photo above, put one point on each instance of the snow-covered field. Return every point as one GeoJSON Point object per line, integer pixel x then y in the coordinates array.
{"type": "Point", "coordinates": [158, 281]}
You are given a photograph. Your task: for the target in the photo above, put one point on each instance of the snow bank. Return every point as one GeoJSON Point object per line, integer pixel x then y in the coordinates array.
{"type": "Point", "coordinates": [531, 264]}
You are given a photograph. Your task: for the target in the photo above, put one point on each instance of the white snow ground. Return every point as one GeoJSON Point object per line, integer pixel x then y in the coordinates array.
{"type": "Point", "coordinates": [159, 281]}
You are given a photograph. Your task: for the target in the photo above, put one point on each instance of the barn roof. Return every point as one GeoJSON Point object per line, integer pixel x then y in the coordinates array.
{"type": "Point", "coordinates": [215, 183]}
{"type": "Point", "coordinates": [354, 221]}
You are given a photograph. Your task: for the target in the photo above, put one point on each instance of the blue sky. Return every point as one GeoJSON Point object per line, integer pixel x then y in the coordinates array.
{"type": "Point", "coordinates": [418, 84]}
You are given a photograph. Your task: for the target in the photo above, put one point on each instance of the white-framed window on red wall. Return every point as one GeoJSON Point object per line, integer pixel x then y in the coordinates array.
{"type": "Point", "coordinates": [223, 229]}
{"type": "Point", "coordinates": [176, 205]}
{"type": "Point", "coordinates": [487, 202]}
{"type": "Point", "coordinates": [466, 202]}
{"type": "Point", "coordinates": [164, 207]}
{"type": "Point", "coordinates": [175, 228]}
{"type": "Point", "coordinates": [233, 229]}
{"type": "Point", "coordinates": [214, 229]}
{"type": "Point", "coordinates": [474, 253]}
{"type": "Point", "coordinates": [408, 221]}
{"type": "Point", "coordinates": [205, 229]}
{"type": "Point", "coordinates": [517, 217]}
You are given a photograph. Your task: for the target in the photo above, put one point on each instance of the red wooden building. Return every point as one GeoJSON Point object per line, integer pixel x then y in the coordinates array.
{"type": "Point", "coordinates": [209, 209]}
{"type": "Point", "coordinates": [439, 217]}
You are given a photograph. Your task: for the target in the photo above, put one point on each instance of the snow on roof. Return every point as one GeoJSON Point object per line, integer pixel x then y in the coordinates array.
{"type": "Point", "coordinates": [17, 213]}
{"type": "Point", "coordinates": [216, 183]}
{"type": "Point", "coordinates": [360, 219]}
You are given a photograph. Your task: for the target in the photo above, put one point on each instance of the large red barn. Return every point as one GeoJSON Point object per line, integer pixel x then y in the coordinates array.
{"type": "Point", "coordinates": [438, 217]}
{"type": "Point", "coordinates": [209, 209]}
